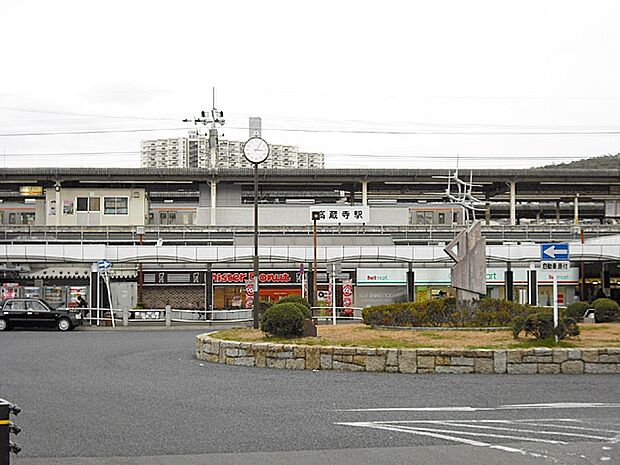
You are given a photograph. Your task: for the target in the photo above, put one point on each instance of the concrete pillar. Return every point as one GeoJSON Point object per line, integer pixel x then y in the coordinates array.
{"type": "Point", "coordinates": [532, 283]}
{"type": "Point", "coordinates": [364, 193]}
{"type": "Point", "coordinates": [125, 317]}
{"type": "Point", "coordinates": [168, 311]}
{"type": "Point", "coordinates": [508, 283]}
{"type": "Point", "coordinates": [513, 202]}
{"type": "Point", "coordinates": [557, 212]}
{"type": "Point", "coordinates": [487, 213]}
{"type": "Point", "coordinates": [577, 208]}
{"type": "Point", "coordinates": [213, 221]}
{"type": "Point", "coordinates": [410, 284]}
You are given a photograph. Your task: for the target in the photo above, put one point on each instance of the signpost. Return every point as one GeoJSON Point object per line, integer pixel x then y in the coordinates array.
{"type": "Point", "coordinates": [555, 257]}
{"type": "Point", "coordinates": [103, 266]}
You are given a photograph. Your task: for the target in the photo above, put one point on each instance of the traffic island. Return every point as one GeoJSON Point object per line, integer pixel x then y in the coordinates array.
{"type": "Point", "coordinates": [541, 360]}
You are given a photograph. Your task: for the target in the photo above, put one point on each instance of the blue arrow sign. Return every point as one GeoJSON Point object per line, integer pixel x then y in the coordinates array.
{"type": "Point", "coordinates": [554, 252]}
{"type": "Point", "coordinates": [104, 264]}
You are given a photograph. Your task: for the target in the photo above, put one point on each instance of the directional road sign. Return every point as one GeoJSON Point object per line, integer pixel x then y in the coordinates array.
{"type": "Point", "coordinates": [554, 252]}
{"type": "Point", "coordinates": [104, 265]}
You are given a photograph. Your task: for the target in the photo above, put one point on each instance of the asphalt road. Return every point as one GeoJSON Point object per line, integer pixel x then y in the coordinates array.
{"type": "Point", "coordinates": [140, 397]}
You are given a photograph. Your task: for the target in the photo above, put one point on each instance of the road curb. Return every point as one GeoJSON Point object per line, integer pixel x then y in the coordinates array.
{"type": "Point", "coordinates": [455, 361]}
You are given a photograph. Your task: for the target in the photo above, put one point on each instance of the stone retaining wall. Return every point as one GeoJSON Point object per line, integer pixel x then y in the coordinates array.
{"type": "Point", "coordinates": [302, 357]}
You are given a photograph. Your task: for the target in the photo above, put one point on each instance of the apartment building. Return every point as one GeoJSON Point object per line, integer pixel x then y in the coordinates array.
{"type": "Point", "coordinates": [194, 151]}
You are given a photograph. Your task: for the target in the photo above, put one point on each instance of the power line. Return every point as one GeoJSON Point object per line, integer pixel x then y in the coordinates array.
{"type": "Point", "coordinates": [330, 131]}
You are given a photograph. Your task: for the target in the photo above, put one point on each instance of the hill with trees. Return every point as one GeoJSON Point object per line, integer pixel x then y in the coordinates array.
{"type": "Point", "coordinates": [604, 162]}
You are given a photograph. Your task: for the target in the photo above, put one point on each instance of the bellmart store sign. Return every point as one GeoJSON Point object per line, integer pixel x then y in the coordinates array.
{"type": "Point", "coordinates": [441, 276]}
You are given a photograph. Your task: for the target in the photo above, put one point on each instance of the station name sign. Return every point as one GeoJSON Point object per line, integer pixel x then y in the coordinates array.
{"type": "Point", "coordinates": [240, 277]}
{"type": "Point", "coordinates": [338, 214]}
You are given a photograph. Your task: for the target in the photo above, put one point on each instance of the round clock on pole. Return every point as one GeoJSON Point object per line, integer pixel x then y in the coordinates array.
{"type": "Point", "coordinates": [256, 150]}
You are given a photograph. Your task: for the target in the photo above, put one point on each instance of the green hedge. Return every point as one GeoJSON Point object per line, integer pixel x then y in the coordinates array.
{"type": "Point", "coordinates": [443, 312]}
{"type": "Point", "coordinates": [576, 310]}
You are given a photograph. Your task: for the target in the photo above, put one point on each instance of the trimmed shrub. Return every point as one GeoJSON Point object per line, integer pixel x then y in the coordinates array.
{"type": "Point", "coordinates": [567, 327]}
{"type": "Point", "coordinates": [298, 300]}
{"type": "Point", "coordinates": [263, 306]}
{"type": "Point", "coordinates": [606, 310]}
{"type": "Point", "coordinates": [283, 320]}
{"type": "Point", "coordinates": [576, 310]}
{"type": "Point", "coordinates": [540, 326]}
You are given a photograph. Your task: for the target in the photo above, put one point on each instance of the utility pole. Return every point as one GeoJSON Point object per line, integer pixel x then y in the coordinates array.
{"type": "Point", "coordinates": [212, 118]}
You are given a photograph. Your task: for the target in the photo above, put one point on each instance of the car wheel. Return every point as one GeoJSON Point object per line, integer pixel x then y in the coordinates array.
{"type": "Point", "coordinates": [4, 326]}
{"type": "Point", "coordinates": [64, 324]}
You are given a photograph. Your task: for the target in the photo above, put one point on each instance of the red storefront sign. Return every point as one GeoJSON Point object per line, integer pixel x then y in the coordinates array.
{"type": "Point", "coordinates": [347, 297]}
{"type": "Point", "coordinates": [235, 277]}
{"type": "Point", "coordinates": [249, 294]}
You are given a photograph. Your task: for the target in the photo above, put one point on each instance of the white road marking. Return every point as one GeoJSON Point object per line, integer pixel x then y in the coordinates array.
{"type": "Point", "coordinates": [559, 405]}
{"type": "Point", "coordinates": [517, 430]}
{"type": "Point", "coordinates": [490, 435]}
{"type": "Point", "coordinates": [571, 427]}
{"type": "Point", "coordinates": [469, 442]}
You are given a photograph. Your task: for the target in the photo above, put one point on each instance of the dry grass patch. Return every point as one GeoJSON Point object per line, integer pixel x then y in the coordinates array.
{"type": "Point", "coordinates": [360, 335]}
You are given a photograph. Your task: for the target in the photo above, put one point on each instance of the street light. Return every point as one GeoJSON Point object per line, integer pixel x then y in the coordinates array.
{"type": "Point", "coordinates": [256, 151]}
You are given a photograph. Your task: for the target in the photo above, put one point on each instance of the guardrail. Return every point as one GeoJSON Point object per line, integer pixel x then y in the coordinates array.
{"type": "Point", "coordinates": [168, 315]}
{"type": "Point", "coordinates": [165, 316]}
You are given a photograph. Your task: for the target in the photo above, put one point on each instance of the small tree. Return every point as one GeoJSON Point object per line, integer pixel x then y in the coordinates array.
{"type": "Point", "coordinates": [283, 320]}
{"type": "Point", "coordinates": [606, 310]}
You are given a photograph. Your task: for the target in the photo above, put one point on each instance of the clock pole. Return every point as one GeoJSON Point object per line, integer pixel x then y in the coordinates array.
{"type": "Point", "coordinates": [256, 303]}
{"type": "Point", "coordinates": [256, 151]}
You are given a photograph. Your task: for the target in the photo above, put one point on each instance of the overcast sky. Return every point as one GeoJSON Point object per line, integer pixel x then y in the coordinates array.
{"type": "Point", "coordinates": [370, 84]}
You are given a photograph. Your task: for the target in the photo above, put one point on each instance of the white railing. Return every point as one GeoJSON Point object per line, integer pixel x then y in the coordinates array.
{"type": "Point", "coordinates": [342, 314]}
{"type": "Point", "coordinates": [167, 316]}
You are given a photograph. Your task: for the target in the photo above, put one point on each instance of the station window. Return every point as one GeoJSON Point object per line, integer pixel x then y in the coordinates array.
{"type": "Point", "coordinates": [115, 205]}
{"type": "Point", "coordinates": [88, 204]}
{"type": "Point", "coordinates": [27, 218]}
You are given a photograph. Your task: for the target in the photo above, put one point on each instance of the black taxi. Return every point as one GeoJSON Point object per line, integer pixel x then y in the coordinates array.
{"type": "Point", "coordinates": [36, 313]}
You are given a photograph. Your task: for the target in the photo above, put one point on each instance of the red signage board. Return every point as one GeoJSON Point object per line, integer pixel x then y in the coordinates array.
{"type": "Point", "coordinates": [266, 277]}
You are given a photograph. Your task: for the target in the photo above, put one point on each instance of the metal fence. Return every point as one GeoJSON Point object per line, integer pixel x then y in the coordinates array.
{"type": "Point", "coordinates": [167, 316]}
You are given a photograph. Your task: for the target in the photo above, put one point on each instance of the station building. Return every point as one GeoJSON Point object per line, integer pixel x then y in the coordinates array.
{"type": "Point", "coordinates": [183, 237]}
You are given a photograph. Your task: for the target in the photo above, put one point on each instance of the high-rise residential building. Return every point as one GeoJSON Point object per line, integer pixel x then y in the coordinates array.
{"type": "Point", "coordinates": [164, 153]}
{"type": "Point", "coordinates": [194, 151]}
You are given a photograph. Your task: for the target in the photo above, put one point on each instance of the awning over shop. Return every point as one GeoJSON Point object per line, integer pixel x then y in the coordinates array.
{"type": "Point", "coordinates": [79, 272]}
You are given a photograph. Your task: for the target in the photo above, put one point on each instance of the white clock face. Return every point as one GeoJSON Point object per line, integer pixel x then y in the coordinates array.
{"type": "Point", "coordinates": [256, 150]}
